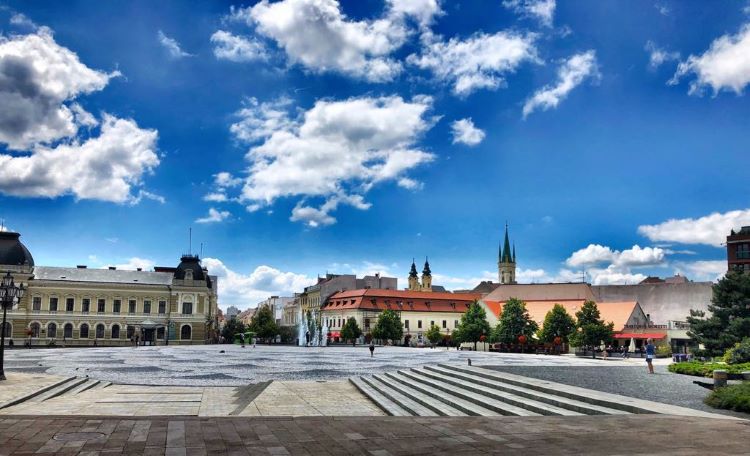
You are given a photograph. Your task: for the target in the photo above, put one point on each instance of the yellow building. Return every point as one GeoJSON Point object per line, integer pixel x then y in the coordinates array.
{"type": "Point", "coordinates": [85, 307]}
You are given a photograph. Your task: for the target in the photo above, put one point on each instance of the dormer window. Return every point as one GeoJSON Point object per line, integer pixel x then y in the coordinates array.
{"type": "Point", "coordinates": [188, 274]}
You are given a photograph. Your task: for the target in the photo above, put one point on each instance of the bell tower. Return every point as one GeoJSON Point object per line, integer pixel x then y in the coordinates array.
{"type": "Point", "coordinates": [506, 262]}
{"type": "Point", "coordinates": [426, 276]}
{"type": "Point", "coordinates": [413, 278]}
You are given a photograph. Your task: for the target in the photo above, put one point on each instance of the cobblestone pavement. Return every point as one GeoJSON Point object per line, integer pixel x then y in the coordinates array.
{"type": "Point", "coordinates": [206, 365]}
{"type": "Point", "coordinates": [610, 435]}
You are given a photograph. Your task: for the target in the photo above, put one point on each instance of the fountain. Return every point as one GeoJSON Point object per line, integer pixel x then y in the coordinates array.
{"type": "Point", "coordinates": [324, 335]}
{"type": "Point", "coordinates": [301, 329]}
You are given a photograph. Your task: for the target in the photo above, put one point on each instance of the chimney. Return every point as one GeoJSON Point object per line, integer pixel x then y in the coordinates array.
{"type": "Point", "coordinates": [112, 268]}
{"type": "Point", "coordinates": [81, 266]}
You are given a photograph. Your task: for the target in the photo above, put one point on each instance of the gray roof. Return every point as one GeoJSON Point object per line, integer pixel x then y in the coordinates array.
{"type": "Point", "coordinates": [102, 275]}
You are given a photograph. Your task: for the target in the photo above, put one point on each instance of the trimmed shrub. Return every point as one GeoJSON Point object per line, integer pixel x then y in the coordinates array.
{"type": "Point", "coordinates": [738, 354]}
{"type": "Point", "coordinates": [700, 369]}
{"type": "Point", "coordinates": [732, 397]}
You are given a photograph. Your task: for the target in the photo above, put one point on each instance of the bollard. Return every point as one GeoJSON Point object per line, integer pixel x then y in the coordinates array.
{"type": "Point", "coordinates": [746, 375]}
{"type": "Point", "coordinates": [720, 378]}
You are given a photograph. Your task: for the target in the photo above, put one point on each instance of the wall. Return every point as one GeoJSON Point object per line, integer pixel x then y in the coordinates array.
{"type": "Point", "coordinates": [664, 302]}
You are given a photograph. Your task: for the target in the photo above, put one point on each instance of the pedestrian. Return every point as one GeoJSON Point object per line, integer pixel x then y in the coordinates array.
{"type": "Point", "coordinates": [372, 348]}
{"type": "Point", "coordinates": [11, 343]}
{"type": "Point", "coordinates": [137, 340]}
{"type": "Point", "coordinates": [650, 354]}
{"type": "Point", "coordinates": [132, 341]}
{"type": "Point", "coordinates": [625, 351]}
{"type": "Point", "coordinates": [242, 340]}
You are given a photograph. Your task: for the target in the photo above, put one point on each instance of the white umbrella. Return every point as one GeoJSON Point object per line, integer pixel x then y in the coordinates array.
{"type": "Point", "coordinates": [632, 345]}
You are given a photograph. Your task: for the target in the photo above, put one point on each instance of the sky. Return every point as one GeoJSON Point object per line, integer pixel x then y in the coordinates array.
{"type": "Point", "coordinates": [300, 137]}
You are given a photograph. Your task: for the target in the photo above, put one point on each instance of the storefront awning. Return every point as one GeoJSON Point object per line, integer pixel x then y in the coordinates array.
{"type": "Point", "coordinates": [334, 334]}
{"type": "Point", "coordinates": [640, 336]}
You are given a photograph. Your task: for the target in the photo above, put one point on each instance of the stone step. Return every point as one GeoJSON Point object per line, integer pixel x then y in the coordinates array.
{"type": "Point", "coordinates": [385, 404]}
{"type": "Point", "coordinates": [404, 401]}
{"type": "Point", "coordinates": [61, 389]}
{"type": "Point", "coordinates": [89, 384]}
{"type": "Point", "coordinates": [103, 384]}
{"type": "Point", "coordinates": [462, 399]}
{"type": "Point", "coordinates": [33, 394]}
{"type": "Point", "coordinates": [439, 407]}
{"type": "Point", "coordinates": [538, 396]}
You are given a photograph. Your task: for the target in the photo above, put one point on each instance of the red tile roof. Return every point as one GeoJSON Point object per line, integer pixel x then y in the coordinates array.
{"type": "Point", "coordinates": [400, 300]}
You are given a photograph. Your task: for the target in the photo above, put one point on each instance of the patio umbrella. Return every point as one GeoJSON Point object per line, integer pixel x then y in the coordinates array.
{"type": "Point", "coordinates": [632, 345]}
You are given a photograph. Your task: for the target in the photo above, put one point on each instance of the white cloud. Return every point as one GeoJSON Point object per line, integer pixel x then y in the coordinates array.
{"type": "Point", "coordinates": [613, 276]}
{"type": "Point", "coordinates": [237, 48]}
{"type": "Point", "coordinates": [724, 66]}
{"type": "Point", "coordinates": [592, 254]}
{"type": "Point", "coordinates": [711, 229]}
{"type": "Point", "coordinates": [242, 290]}
{"type": "Point", "coordinates": [465, 132]}
{"type": "Point", "coordinates": [225, 180]}
{"type": "Point", "coordinates": [479, 62]}
{"type": "Point", "coordinates": [423, 11]}
{"type": "Point", "coordinates": [662, 8]}
{"type": "Point", "coordinates": [337, 150]}
{"type": "Point", "coordinates": [37, 78]}
{"type": "Point", "coordinates": [172, 46]}
{"type": "Point", "coordinates": [571, 74]}
{"type": "Point", "coordinates": [261, 120]}
{"type": "Point", "coordinates": [216, 197]}
{"type": "Point", "coordinates": [636, 256]}
{"type": "Point", "coordinates": [702, 270]}
{"type": "Point", "coordinates": [21, 20]}
{"type": "Point", "coordinates": [542, 10]}
{"type": "Point", "coordinates": [143, 194]}
{"type": "Point", "coordinates": [83, 117]}
{"type": "Point", "coordinates": [133, 264]}
{"type": "Point", "coordinates": [658, 56]}
{"type": "Point", "coordinates": [214, 216]}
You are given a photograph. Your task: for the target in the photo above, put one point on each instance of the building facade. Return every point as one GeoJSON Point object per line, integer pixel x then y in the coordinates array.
{"type": "Point", "coordinates": [97, 307]}
{"type": "Point", "coordinates": [738, 250]}
{"type": "Point", "coordinates": [277, 304]}
{"type": "Point", "coordinates": [311, 299]}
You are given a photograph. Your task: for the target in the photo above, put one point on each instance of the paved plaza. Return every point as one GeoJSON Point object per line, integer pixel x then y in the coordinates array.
{"type": "Point", "coordinates": [232, 365]}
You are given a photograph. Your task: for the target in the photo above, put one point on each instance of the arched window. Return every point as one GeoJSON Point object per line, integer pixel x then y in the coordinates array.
{"type": "Point", "coordinates": [115, 331]}
{"type": "Point", "coordinates": [100, 331]}
{"type": "Point", "coordinates": [8, 330]}
{"type": "Point", "coordinates": [185, 332]}
{"type": "Point", "coordinates": [68, 331]}
{"type": "Point", "coordinates": [84, 331]}
{"type": "Point", "coordinates": [35, 328]}
{"type": "Point", "coordinates": [52, 330]}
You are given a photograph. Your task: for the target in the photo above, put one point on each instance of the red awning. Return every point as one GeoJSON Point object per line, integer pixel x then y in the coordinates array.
{"type": "Point", "coordinates": [640, 336]}
{"type": "Point", "coordinates": [334, 334]}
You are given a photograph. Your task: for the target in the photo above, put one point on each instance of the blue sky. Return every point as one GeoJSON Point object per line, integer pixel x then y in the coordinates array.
{"type": "Point", "coordinates": [297, 137]}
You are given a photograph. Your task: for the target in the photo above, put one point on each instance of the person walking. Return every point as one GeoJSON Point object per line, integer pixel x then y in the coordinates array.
{"type": "Point", "coordinates": [372, 349]}
{"type": "Point", "coordinates": [242, 340]}
{"type": "Point", "coordinates": [650, 354]}
{"type": "Point", "coordinates": [625, 351]}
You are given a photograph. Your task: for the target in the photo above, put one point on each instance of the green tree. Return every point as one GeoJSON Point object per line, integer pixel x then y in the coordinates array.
{"type": "Point", "coordinates": [729, 322]}
{"type": "Point", "coordinates": [231, 328]}
{"type": "Point", "coordinates": [592, 330]}
{"type": "Point", "coordinates": [557, 323]}
{"type": "Point", "coordinates": [264, 324]}
{"type": "Point", "coordinates": [388, 326]}
{"type": "Point", "coordinates": [287, 334]}
{"type": "Point", "coordinates": [473, 325]}
{"type": "Point", "coordinates": [433, 334]}
{"type": "Point", "coordinates": [514, 322]}
{"type": "Point", "coordinates": [350, 330]}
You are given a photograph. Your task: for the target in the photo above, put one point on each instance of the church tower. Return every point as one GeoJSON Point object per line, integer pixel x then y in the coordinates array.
{"type": "Point", "coordinates": [426, 276]}
{"type": "Point", "coordinates": [506, 262]}
{"type": "Point", "coordinates": [413, 278]}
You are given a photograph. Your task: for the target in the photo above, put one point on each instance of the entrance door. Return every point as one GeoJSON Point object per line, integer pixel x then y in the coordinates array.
{"type": "Point", "coordinates": [149, 336]}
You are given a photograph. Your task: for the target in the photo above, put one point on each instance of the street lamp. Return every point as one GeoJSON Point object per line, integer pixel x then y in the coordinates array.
{"type": "Point", "coordinates": [9, 294]}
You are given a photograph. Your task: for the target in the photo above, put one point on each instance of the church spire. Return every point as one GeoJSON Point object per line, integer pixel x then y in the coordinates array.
{"type": "Point", "coordinates": [413, 271]}
{"type": "Point", "coordinates": [426, 271]}
{"type": "Point", "coordinates": [506, 248]}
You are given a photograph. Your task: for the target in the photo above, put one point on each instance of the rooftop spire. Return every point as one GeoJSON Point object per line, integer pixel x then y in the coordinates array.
{"type": "Point", "coordinates": [426, 270]}
{"type": "Point", "coordinates": [506, 255]}
{"type": "Point", "coordinates": [413, 271]}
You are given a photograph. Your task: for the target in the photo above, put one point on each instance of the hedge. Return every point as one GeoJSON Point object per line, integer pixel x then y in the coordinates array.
{"type": "Point", "coordinates": [733, 397]}
{"type": "Point", "coordinates": [700, 369]}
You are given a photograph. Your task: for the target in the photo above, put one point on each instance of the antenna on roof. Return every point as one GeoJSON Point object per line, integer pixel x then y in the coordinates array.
{"type": "Point", "coordinates": [583, 276]}
{"type": "Point", "coordinates": [201, 256]}
{"type": "Point", "coordinates": [190, 241]}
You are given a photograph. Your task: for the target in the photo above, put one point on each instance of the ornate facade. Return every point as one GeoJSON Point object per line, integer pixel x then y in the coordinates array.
{"type": "Point", "coordinates": [96, 307]}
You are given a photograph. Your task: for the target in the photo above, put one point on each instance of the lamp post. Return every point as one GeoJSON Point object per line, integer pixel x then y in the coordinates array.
{"type": "Point", "coordinates": [9, 293]}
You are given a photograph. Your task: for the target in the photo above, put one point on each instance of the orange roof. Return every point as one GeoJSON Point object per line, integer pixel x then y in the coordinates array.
{"type": "Point", "coordinates": [616, 312]}
{"type": "Point", "coordinates": [400, 300]}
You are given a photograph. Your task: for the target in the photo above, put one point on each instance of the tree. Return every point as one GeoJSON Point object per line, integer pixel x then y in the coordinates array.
{"type": "Point", "coordinates": [557, 323]}
{"type": "Point", "coordinates": [592, 330]}
{"type": "Point", "coordinates": [232, 327]}
{"type": "Point", "coordinates": [730, 315]}
{"type": "Point", "coordinates": [433, 334]}
{"type": "Point", "coordinates": [388, 326]}
{"type": "Point", "coordinates": [264, 324]}
{"type": "Point", "coordinates": [514, 322]}
{"type": "Point", "coordinates": [473, 325]}
{"type": "Point", "coordinates": [350, 330]}
{"type": "Point", "coordinates": [287, 334]}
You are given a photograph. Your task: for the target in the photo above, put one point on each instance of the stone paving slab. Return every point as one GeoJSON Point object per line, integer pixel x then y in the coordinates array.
{"type": "Point", "coordinates": [587, 435]}
{"type": "Point", "coordinates": [18, 384]}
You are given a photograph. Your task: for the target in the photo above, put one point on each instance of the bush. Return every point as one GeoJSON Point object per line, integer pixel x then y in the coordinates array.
{"type": "Point", "coordinates": [700, 369]}
{"type": "Point", "coordinates": [733, 397]}
{"type": "Point", "coordinates": [739, 354]}
{"type": "Point", "coordinates": [663, 351]}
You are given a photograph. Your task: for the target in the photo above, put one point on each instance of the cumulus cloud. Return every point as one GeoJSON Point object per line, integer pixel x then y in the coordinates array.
{"type": "Point", "coordinates": [478, 62]}
{"type": "Point", "coordinates": [542, 10]}
{"type": "Point", "coordinates": [214, 216]}
{"type": "Point", "coordinates": [702, 270]}
{"type": "Point", "coordinates": [21, 20]}
{"type": "Point", "coordinates": [225, 180]}
{"type": "Point", "coordinates": [465, 132]}
{"type": "Point", "coordinates": [237, 48]}
{"type": "Point", "coordinates": [337, 150]}
{"type": "Point", "coordinates": [132, 264]}
{"type": "Point", "coordinates": [172, 46]}
{"type": "Point", "coordinates": [216, 197]}
{"type": "Point", "coordinates": [570, 75]}
{"type": "Point", "coordinates": [724, 66]}
{"type": "Point", "coordinates": [595, 254]}
{"type": "Point", "coordinates": [657, 56]}
{"type": "Point", "coordinates": [711, 229]}
{"type": "Point", "coordinates": [236, 288]}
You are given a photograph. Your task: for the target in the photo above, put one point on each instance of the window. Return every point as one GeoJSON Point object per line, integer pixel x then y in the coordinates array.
{"type": "Point", "coordinates": [83, 332]}
{"type": "Point", "coordinates": [85, 305]}
{"type": "Point", "coordinates": [115, 331]}
{"type": "Point", "coordinates": [743, 251]}
{"type": "Point", "coordinates": [51, 330]}
{"type": "Point", "coordinates": [455, 323]}
{"type": "Point", "coordinates": [100, 331]}
{"type": "Point", "coordinates": [187, 308]}
{"type": "Point", "coordinates": [70, 304]}
{"type": "Point", "coordinates": [185, 332]}
{"type": "Point", "coordinates": [68, 331]}
{"type": "Point", "coordinates": [419, 324]}
{"type": "Point", "coordinates": [147, 307]}
{"type": "Point", "coordinates": [160, 332]}
{"type": "Point", "coordinates": [131, 306]}
{"type": "Point", "coordinates": [53, 304]}
{"type": "Point", "coordinates": [35, 328]}
{"type": "Point", "coordinates": [130, 331]}
{"type": "Point", "coordinates": [116, 305]}
{"type": "Point", "coordinates": [162, 307]}
{"type": "Point", "coordinates": [432, 323]}
{"type": "Point", "coordinates": [406, 324]}
{"type": "Point", "coordinates": [188, 274]}
{"type": "Point", "coordinates": [100, 305]}
{"type": "Point", "coordinates": [445, 324]}
{"type": "Point", "coordinates": [36, 303]}
{"type": "Point", "coordinates": [367, 323]}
